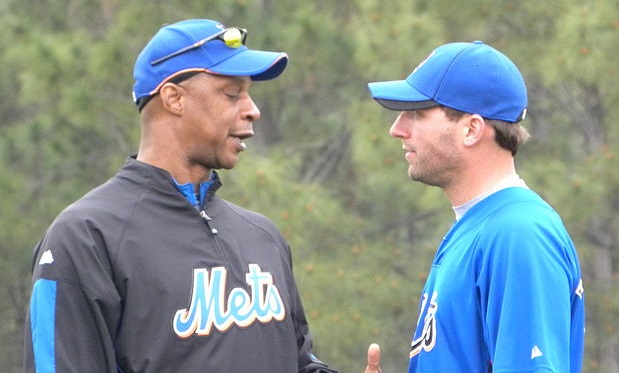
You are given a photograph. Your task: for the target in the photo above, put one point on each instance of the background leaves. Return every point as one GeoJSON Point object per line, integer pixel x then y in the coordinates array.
{"type": "Point", "coordinates": [321, 165]}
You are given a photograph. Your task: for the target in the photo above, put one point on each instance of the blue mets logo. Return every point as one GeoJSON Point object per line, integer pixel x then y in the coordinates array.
{"type": "Point", "coordinates": [427, 340]}
{"type": "Point", "coordinates": [210, 309]}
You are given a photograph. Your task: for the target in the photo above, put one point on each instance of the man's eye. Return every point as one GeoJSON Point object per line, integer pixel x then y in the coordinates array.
{"type": "Point", "coordinates": [416, 114]}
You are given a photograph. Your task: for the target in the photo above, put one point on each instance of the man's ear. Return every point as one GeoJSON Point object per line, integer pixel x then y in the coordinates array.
{"type": "Point", "coordinates": [172, 98]}
{"type": "Point", "coordinates": [474, 128]}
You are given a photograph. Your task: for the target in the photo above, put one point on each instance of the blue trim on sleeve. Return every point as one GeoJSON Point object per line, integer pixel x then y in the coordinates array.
{"type": "Point", "coordinates": [42, 323]}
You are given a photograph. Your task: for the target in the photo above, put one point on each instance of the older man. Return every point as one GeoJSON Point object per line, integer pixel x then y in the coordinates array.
{"type": "Point", "coordinates": [152, 272]}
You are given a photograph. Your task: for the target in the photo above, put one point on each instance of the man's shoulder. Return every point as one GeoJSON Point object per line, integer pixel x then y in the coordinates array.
{"type": "Point", "coordinates": [109, 198]}
{"type": "Point", "coordinates": [517, 202]}
{"type": "Point", "coordinates": [251, 218]}
{"type": "Point", "coordinates": [245, 213]}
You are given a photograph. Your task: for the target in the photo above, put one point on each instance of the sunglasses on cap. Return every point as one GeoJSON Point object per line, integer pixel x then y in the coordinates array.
{"type": "Point", "coordinates": [233, 37]}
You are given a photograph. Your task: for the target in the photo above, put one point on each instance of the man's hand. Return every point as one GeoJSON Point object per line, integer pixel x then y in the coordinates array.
{"type": "Point", "coordinates": [373, 359]}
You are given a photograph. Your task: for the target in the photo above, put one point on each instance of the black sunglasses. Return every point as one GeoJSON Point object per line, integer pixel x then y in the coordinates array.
{"type": "Point", "coordinates": [233, 37]}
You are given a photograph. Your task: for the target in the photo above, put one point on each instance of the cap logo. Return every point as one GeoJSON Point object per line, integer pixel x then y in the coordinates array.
{"type": "Point", "coordinates": [423, 62]}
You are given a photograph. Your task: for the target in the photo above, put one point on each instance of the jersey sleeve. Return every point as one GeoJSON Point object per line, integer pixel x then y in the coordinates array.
{"type": "Point", "coordinates": [527, 282]}
{"type": "Point", "coordinates": [74, 307]}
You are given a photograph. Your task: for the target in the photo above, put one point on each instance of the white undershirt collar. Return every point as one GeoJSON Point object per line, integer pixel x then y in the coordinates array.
{"type": "Point", "coordinates": [508, 182]}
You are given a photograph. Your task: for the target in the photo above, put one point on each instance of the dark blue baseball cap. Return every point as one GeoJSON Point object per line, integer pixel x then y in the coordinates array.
{"type": "Point", "coordinates": [470, 77]}
{"type": "Point", "coordinates": [181, 48]}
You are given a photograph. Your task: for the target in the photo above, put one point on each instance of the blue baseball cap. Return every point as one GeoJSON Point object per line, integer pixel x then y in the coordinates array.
{"type": "Point", "coordinates": [470, 77]}
{"type": "Point", "coordinates": [197, 45]}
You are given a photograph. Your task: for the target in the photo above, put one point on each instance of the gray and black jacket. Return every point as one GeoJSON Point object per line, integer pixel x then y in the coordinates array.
{"type": "Point", "coordinates": [133, 278]}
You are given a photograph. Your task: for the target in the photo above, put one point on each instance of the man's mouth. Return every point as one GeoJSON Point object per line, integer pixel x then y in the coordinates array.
{"type": "Point", "coordinates": [240, 144]}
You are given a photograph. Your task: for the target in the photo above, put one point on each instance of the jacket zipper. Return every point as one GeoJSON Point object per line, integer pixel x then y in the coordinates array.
{"type": "Point", "coordinates": [207, 219]}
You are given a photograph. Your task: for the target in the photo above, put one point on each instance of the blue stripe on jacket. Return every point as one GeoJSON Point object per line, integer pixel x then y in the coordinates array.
{"type": "Point", "coordinates": [42, 317]}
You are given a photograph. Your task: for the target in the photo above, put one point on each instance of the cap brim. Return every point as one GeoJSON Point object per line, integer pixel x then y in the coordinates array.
{"type": "Point", "coordinates": [406, 105]}
{"type": "Point", "coordinates": [399, 95]}
{"type": "Point", "coordinates": [259, 65]}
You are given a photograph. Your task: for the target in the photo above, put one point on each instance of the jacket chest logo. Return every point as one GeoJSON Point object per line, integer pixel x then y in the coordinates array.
{"type": "Point", "coordinates": [210, 309]}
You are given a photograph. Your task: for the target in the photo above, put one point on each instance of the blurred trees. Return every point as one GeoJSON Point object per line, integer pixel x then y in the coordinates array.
{"type": "Point", "coordinates": [322, 165]}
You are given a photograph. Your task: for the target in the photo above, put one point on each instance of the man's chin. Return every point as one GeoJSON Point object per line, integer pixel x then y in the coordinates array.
{"type": "Point", "coordinates": [229, 164]}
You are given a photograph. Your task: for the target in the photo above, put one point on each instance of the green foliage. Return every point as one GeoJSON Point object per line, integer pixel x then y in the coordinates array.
{"type": "Point", "coordinates": [322, 165]}
{"type": "Point", "coordinates": [340, 256]}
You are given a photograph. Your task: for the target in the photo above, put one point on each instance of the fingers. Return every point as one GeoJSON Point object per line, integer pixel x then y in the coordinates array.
{"type": "Point", "coordinates": [373, 359]}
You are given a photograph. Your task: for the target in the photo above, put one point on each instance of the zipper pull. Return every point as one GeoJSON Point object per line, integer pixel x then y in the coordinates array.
{"type": "Point", "coordinates": [207, 219]}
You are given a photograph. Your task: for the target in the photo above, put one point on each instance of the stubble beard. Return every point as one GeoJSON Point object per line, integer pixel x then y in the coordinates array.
{"type": "Point", "coordinates": [437, 164]}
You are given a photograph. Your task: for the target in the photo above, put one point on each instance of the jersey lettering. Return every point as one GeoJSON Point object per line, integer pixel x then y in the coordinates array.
{"type": "Point", "coordinates": [580, 290]}
{"type": "Point", "coordinates": [427, 340]}
{"type": "Point", "coordinates": [209, 307]}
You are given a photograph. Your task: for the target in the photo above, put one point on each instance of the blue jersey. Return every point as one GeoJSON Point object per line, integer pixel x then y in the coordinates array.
{"type": "Point", "coordinates": [504, 293]}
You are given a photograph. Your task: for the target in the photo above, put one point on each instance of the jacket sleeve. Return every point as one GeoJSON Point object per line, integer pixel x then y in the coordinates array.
{"type": "Point", "coordinates": [308, 362]}
{"type": "Point", "coordinates": [74, 306]}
